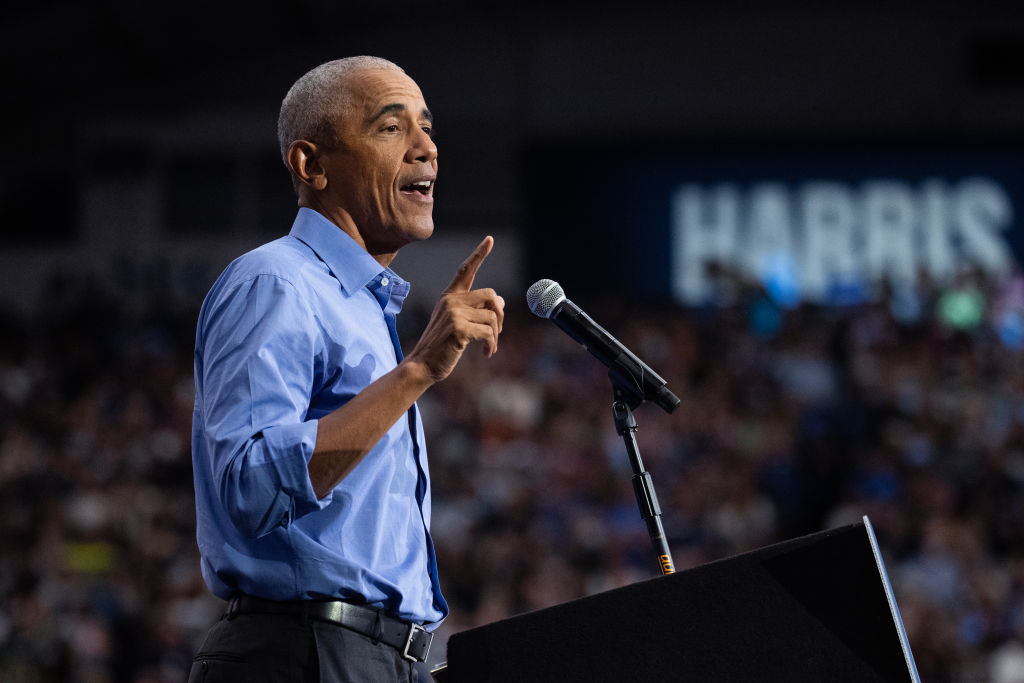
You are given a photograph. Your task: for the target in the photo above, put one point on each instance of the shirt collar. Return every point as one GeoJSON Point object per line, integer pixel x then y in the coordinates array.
{"type": "Point", "coordinates": [353, 267]}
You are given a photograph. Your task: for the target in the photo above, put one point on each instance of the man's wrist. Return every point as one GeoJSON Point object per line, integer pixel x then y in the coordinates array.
{"type": "Point", "coordinates": [417, 373]}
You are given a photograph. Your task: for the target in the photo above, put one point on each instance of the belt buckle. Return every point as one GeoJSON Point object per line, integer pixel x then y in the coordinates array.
{"type": "Point", "coordinates": [413, 628]}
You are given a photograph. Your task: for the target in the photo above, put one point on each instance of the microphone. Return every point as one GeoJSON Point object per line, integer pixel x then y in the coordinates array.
{"type": "Point", "coordinates": [546, 299]}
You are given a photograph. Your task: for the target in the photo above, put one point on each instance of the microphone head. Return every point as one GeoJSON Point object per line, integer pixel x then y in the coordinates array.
{"type": "Point", "coordinates": [543, 296]}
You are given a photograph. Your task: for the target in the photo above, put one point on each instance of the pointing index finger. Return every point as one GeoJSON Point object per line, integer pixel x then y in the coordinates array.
{"type": "Point", "coordinates": [464, 276]}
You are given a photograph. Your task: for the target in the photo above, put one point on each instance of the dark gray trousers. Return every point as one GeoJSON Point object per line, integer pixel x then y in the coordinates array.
{"type": "Point", "coordinates": [284, 648]}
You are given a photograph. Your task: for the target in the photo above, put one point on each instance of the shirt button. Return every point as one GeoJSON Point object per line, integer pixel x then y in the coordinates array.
{"type": "Point", "coordinates": [383, 282]}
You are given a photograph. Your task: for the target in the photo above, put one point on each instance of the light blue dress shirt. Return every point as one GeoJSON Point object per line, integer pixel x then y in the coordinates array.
{"type": "Point", "coordinates": [289, 332]}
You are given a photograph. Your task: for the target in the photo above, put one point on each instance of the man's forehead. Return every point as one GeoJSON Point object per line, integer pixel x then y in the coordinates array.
{"type": "Point", "coordinates": [373, 90]}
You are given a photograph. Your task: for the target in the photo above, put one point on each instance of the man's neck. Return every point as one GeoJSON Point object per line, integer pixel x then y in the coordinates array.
{"type": "Point", "coordinates": [343, 219]}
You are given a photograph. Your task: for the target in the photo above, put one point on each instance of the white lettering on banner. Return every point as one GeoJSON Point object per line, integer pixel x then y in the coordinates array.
{"type": "Point", "coordinates": [711, 218]}
{"type": "Point", "coordinates": [981, 205]}
{"type": "Point", "coordinates": [939, 259]}
{"type": "Point", "coordinates": [889, 217]}
{"type": "Point", "coordinates": [769, 234]}
{"type": "Point", "coordinates": [836, 233]}
{"type": "Point", "coordinates": [828, 219]}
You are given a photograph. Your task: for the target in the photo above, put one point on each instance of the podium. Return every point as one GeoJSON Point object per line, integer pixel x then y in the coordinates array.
{"type": "Point", "coordinates": [816, 608]}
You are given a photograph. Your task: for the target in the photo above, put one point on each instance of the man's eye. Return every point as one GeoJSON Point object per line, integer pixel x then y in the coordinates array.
{"type": "Point", "coordinates": [393, 128]}
{"type": "Point", "coordinates": [428, 130]}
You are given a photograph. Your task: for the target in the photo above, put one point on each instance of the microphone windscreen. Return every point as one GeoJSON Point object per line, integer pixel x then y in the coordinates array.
{"type": "Point", "coordinates": [543, 296]}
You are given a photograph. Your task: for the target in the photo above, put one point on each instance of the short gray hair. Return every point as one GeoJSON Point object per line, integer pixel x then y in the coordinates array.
{"type": "Point", "coordinates": [311, 107]}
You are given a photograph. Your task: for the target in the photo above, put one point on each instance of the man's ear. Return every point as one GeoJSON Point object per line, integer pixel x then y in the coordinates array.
{"type": "Point", "coordinates": [304, 163]}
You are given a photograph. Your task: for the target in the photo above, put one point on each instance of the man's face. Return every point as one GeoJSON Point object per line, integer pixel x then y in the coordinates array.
{"type": "Point", "coordinates": [382, 173]}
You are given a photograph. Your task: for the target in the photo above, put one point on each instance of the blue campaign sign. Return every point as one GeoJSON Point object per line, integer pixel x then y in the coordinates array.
{"type": "Point", "coordinates": [823, 225]}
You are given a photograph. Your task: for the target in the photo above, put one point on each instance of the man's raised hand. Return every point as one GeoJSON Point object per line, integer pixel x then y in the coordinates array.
{"type": "Point", "coordinates": [462, 315]}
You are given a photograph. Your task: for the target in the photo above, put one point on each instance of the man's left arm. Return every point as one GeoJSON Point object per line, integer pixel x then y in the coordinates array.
{"type": "Point", "coordinates": [462, 316]}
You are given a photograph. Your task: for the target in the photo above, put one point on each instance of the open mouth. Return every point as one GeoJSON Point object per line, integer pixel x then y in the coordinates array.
{"type": "Point", "coordinates": [421, 187]}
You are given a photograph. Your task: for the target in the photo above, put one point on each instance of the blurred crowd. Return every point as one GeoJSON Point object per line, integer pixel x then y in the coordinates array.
{"type": "Point", "coordinates": [794, 419]}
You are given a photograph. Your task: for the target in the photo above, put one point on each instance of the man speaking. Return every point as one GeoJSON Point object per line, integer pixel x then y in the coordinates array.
{"type": "Point", "coordinates": [311, 476]}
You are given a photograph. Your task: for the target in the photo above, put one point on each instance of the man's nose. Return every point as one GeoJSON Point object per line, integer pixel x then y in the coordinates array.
{"type": "Point", "coordinates": [422, 150]}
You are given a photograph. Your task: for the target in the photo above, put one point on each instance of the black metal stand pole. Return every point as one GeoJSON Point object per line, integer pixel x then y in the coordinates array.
{"type": "Point", "coordinates": [625, 426]}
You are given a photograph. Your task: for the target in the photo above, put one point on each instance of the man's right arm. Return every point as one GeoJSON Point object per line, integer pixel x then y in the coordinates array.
{"type": "Point", "coordinates": [268, 462]}
{"type": "Point", "coordinates": [255, 349]}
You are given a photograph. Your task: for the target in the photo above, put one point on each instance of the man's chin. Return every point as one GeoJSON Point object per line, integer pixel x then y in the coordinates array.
{"type": "Point", "coordinates": [397, 234]}
{"type": "Point", "coordinates": [420, 230]}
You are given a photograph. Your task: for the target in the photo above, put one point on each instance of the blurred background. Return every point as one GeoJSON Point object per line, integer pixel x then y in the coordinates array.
{"type": "Point", "coordinates": [807, 219]}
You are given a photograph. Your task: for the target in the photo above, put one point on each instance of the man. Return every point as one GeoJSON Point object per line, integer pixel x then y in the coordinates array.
{"type": "Point", "coordinates": [312, 487]}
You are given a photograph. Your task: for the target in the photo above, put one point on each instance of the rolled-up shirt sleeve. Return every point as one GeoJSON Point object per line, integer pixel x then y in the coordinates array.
{"type": "Point", "coordinates": [259, 344]}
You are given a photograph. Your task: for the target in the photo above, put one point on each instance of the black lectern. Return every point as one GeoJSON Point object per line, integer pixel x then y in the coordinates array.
{"type": "Point", "coordinates": [816, 608]}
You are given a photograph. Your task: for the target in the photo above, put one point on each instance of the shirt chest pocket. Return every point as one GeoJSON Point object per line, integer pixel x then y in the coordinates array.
{"type": "Point", "coordinates": [350, 361]}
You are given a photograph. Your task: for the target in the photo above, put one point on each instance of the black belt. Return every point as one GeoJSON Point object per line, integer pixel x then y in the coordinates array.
{"type": "Point", "coordinates": [412, 640]}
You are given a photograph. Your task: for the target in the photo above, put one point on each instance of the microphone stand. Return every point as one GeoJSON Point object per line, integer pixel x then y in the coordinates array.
{"type": "Point", "coordinates": [627, 398]}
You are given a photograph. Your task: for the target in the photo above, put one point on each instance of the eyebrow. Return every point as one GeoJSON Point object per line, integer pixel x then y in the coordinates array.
{"type": "Point", "coordinates": [392, 108]}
